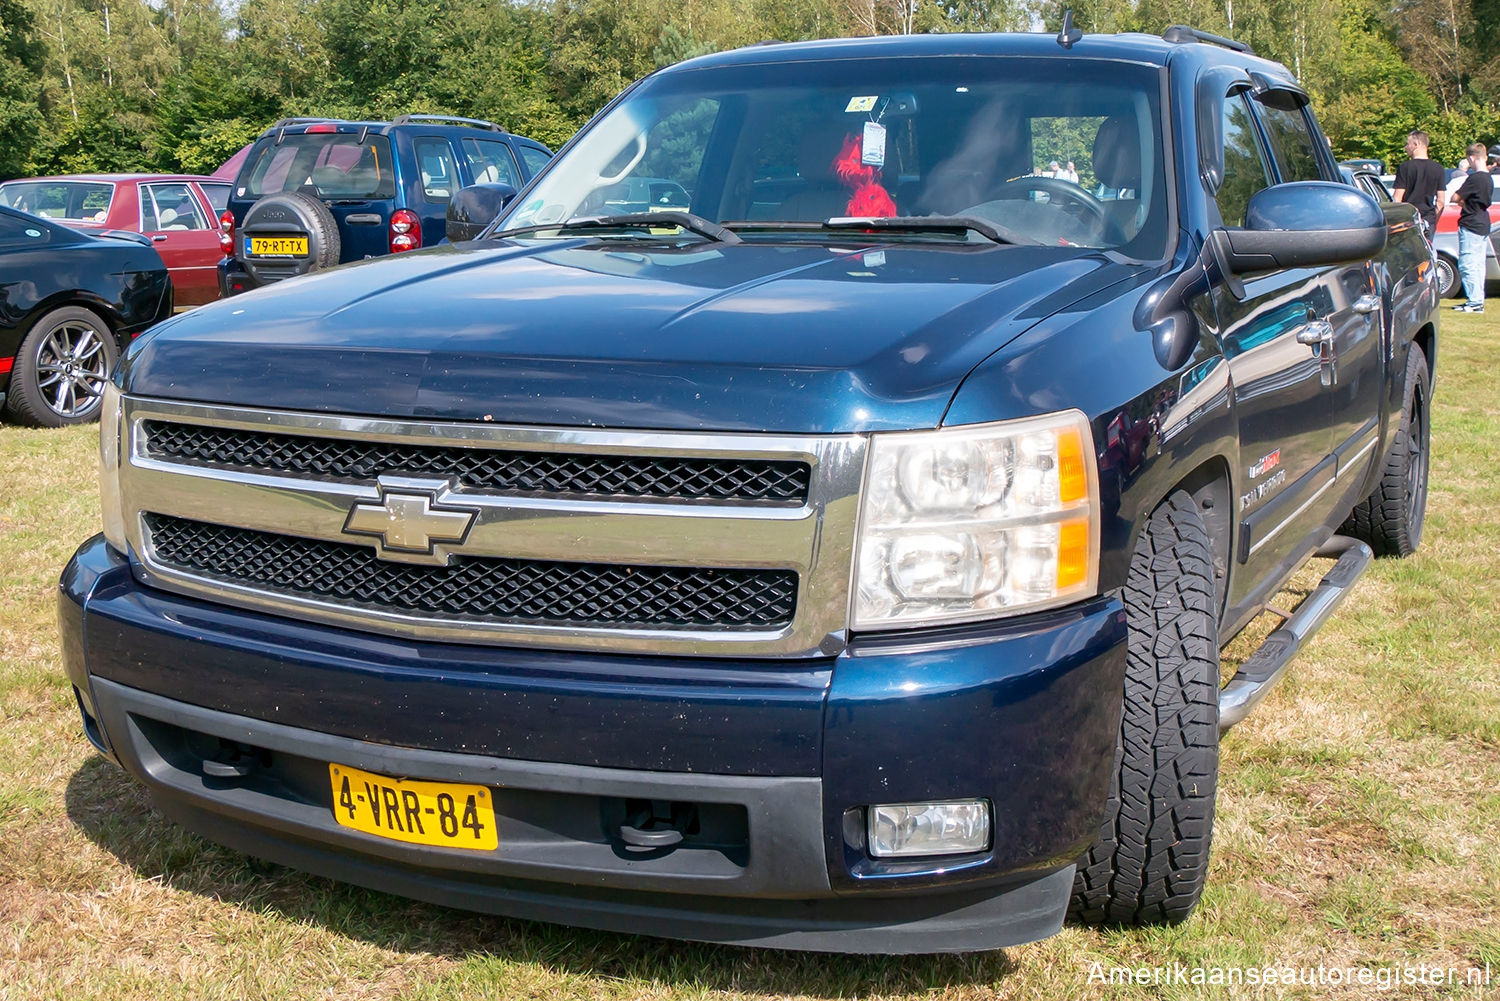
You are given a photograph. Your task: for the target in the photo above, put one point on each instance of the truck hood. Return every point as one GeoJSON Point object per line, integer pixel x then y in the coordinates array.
{"type": "Point", "coordinates": [747, 337]}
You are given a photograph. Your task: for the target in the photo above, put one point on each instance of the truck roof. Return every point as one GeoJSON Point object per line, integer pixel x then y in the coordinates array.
{"type": "Point", "coordinates": [1136, 47]}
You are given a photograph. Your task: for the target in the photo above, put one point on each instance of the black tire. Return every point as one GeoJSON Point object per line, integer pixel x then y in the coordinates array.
{"type": "Point", "coordinates": [1151, 860]}
{"type": "Point", "coordinates": [1447, 277]}
{"type": "Point", "coordinates": [290, 214]}
{"type": "Point", "coordinates": [61, 369]}
{"type": "Point", "coordinates": [1391, 518]}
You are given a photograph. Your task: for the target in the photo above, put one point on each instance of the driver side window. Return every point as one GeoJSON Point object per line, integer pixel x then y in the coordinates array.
{"type": "Point", "coordinates": [1244, 165]}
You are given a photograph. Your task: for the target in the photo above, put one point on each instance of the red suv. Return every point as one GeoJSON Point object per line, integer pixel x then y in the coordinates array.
{"type": "Point", "coordinates": [179, 212]}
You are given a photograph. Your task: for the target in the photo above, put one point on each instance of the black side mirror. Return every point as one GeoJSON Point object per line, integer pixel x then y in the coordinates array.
{"type": "Point", "coordinates": [473, 208]}
{"type": "Point", "coordinates": [1303, 224]}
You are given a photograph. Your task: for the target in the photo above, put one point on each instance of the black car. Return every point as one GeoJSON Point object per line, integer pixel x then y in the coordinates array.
{"type": "Point", "coordinates": [69, 303]}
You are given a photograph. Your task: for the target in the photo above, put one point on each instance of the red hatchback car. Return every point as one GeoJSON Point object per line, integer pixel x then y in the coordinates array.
{"type": "Point", "coordinates": [179, 212]}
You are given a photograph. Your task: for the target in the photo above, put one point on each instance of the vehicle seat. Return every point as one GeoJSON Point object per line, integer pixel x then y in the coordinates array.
{"type": "Point", "coordinates": [165, 219]}
{"type": "Point", "coordinates": [823, 197]}
{"type": "Point", "coordinates": [184, 217]}
{"type": "Point", "coordinates": [1117, 164]}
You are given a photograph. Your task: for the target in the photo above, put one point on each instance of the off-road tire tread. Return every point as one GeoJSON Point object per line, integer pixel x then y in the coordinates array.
{"type": "Point", "coordinates": [1381, 519]}
{"type": "Point", "coordinates": [1150, 862]}
{"type": "Point", "coordinates": [23, 403]}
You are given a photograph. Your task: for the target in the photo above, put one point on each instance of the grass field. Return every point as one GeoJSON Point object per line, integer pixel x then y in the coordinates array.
{"type": "Point", "coordinates": [1359, 813]}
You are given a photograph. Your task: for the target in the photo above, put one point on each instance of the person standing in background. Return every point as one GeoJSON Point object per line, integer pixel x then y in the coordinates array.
{"type": "Point", "coordinates": [1473, 197]}
{"type": "Point", "coordinates": [1419, 182]}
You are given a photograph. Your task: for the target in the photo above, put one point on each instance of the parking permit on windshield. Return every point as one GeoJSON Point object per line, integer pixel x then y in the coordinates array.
{"type": "Point", "coordinates": [872, 152]}
{"type": "Point", "coordinates": [861, 103]}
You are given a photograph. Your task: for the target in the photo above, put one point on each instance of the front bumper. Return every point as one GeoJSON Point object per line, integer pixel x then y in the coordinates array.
{"type": "Point", "coordinates": [782, 754]}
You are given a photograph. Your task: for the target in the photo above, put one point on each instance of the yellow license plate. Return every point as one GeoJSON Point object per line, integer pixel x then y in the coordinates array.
{"type": "Point", "coordinates": [278, 246]}
{"type": "Point", "coordinates": [445, 814]}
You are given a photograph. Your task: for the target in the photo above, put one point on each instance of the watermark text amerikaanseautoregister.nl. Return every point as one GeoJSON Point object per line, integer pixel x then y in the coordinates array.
{"type": "Point", "coordinates": [1380, 978]}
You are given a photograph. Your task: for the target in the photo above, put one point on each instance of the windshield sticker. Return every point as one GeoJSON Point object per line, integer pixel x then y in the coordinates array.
{"type": "Point", "coordinates": [875, 259]}
{"type": "Point", "coordinates": [872, 152]}
{"type": "Point", "coordinates": [862, 103]}
{"type": "Point", "coordinates": [869, 200]}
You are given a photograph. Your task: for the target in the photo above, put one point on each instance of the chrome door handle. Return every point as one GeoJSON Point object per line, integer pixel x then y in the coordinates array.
{"type": "Point", "coordinates": [1367, 303]}
{"type": "Point", "coordinates": [1315, 332]}
{"type": "Point", "coordinates": [158, 239]}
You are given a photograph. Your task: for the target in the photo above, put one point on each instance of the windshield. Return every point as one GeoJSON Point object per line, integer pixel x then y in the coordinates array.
{"type": "Point", "coordinates": [1056, 151]}
{"type": "Point", "coordinates": [78, 201]}
{"type": "Point", "coordinates": [333, 165]}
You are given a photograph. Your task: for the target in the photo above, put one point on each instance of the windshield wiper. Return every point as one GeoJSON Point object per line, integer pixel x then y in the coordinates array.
{"type": "Point", "coordinates": [959, 225]}
{"type": "Point", "coordinates": [994, 232]}
{"type": "Point", "coordinates": [686, 221]}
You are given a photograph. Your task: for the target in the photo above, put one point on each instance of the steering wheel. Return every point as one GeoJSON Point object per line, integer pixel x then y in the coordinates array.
{"type": "Point", "coordinates": [1057, 188]}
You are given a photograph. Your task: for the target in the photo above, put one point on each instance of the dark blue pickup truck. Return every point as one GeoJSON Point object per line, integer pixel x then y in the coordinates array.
{"type": "Point", "coordinates": [839, 560]}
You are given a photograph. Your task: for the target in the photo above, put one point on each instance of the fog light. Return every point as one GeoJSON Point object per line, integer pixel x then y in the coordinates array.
{"type": "Point", "coordinates": [897, 830]}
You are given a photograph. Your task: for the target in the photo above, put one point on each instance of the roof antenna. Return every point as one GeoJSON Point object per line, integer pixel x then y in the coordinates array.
{"type": "Point", "coordinates": [1069, 34]}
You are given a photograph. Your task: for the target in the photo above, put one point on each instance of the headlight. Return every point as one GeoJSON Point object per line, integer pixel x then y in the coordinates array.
{"type": "Point", "coordinates": [976, 522]}
{"type": "Point", "coordinates": [111, 433]}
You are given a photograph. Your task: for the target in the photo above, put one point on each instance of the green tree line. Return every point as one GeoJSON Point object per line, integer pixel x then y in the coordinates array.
{"type": "Point", "coordinates": [96, 85]}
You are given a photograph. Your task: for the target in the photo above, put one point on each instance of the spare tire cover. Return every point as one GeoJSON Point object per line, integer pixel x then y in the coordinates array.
{"type": "Point", "coordinates": [294, 216]}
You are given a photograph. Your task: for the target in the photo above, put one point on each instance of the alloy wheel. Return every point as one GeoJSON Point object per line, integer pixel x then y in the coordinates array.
{"type": "Point", "coordinates": [72, 368]}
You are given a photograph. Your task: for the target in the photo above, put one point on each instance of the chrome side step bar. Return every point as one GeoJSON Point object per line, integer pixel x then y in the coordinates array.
{"type": "Point", "coordinates": [1263, 668]}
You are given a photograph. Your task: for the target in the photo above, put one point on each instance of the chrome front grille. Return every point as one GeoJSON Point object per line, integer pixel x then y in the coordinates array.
{"type": "Point", "coordinates": [665, 542]}
{"type": "Point", "coordinates": [512, 471]}
{"type": "Point", "coordinates": [598, 594]}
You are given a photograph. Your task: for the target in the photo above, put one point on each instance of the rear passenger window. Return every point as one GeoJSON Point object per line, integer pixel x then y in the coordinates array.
{"type": "Point", "coordinates": [1244, 167]}
{"type": "Point", "coordinates": [435, 161]}
{"type": "Point", "coordinates": [490, 162]}
{"type": "Point", "coordinates": [170, 207]}
{"type": "Point", "coordinates": [1292, 142]}
{"type": "Point", "coordinates": [217, 195]}
{"type": "Point", "coordinates": [535, 159]}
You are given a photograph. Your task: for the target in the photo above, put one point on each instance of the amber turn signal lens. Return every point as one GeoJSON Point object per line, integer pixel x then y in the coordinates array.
{"type": "Point", "coordinates": [1072, 479]}
{"type": "Point", "coordinates": [1072, 554]}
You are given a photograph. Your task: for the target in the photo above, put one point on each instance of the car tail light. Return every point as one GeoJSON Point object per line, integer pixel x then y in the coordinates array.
{"type": "Point", "coordinates": [226, 233]}
{"type": "Point", "coordinates": [321, 128]}
{"type": "Point", "coordinates": [406, 231]}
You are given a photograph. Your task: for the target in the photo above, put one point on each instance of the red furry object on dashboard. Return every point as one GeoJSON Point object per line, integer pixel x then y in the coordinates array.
{"type": "Point", "coordinates": [869, 198]}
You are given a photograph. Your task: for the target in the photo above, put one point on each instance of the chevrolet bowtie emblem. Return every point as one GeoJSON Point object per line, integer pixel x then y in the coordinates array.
{"type": "Point", "coordinates": [410, 525]}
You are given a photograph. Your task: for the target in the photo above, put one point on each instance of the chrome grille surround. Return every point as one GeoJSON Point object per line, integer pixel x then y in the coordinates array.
{"type": "Point", "coordinates": [814, 539]}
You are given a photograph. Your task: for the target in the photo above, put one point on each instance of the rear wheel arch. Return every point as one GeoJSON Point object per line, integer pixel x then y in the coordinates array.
{"type": "Point", "coordinates": [1426, 340]}
{"type": "Point", "coordinates": [77, 299]}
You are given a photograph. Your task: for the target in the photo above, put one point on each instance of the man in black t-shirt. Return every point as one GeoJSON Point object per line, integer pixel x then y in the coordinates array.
{"type": "Point", "coordinates": [1419, 181]}
{"type": "Point", "coordinates": [1473, 197]}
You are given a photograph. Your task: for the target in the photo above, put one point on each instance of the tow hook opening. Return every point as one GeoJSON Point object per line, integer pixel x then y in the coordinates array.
{"type": "Point", "coordinates": [232, 761]}
{"type": "Point", "coordinates": [656, 824]}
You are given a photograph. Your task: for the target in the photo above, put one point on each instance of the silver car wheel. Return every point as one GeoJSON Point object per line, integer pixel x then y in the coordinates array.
{"type": "Point", "coordinates": [71, 368]}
